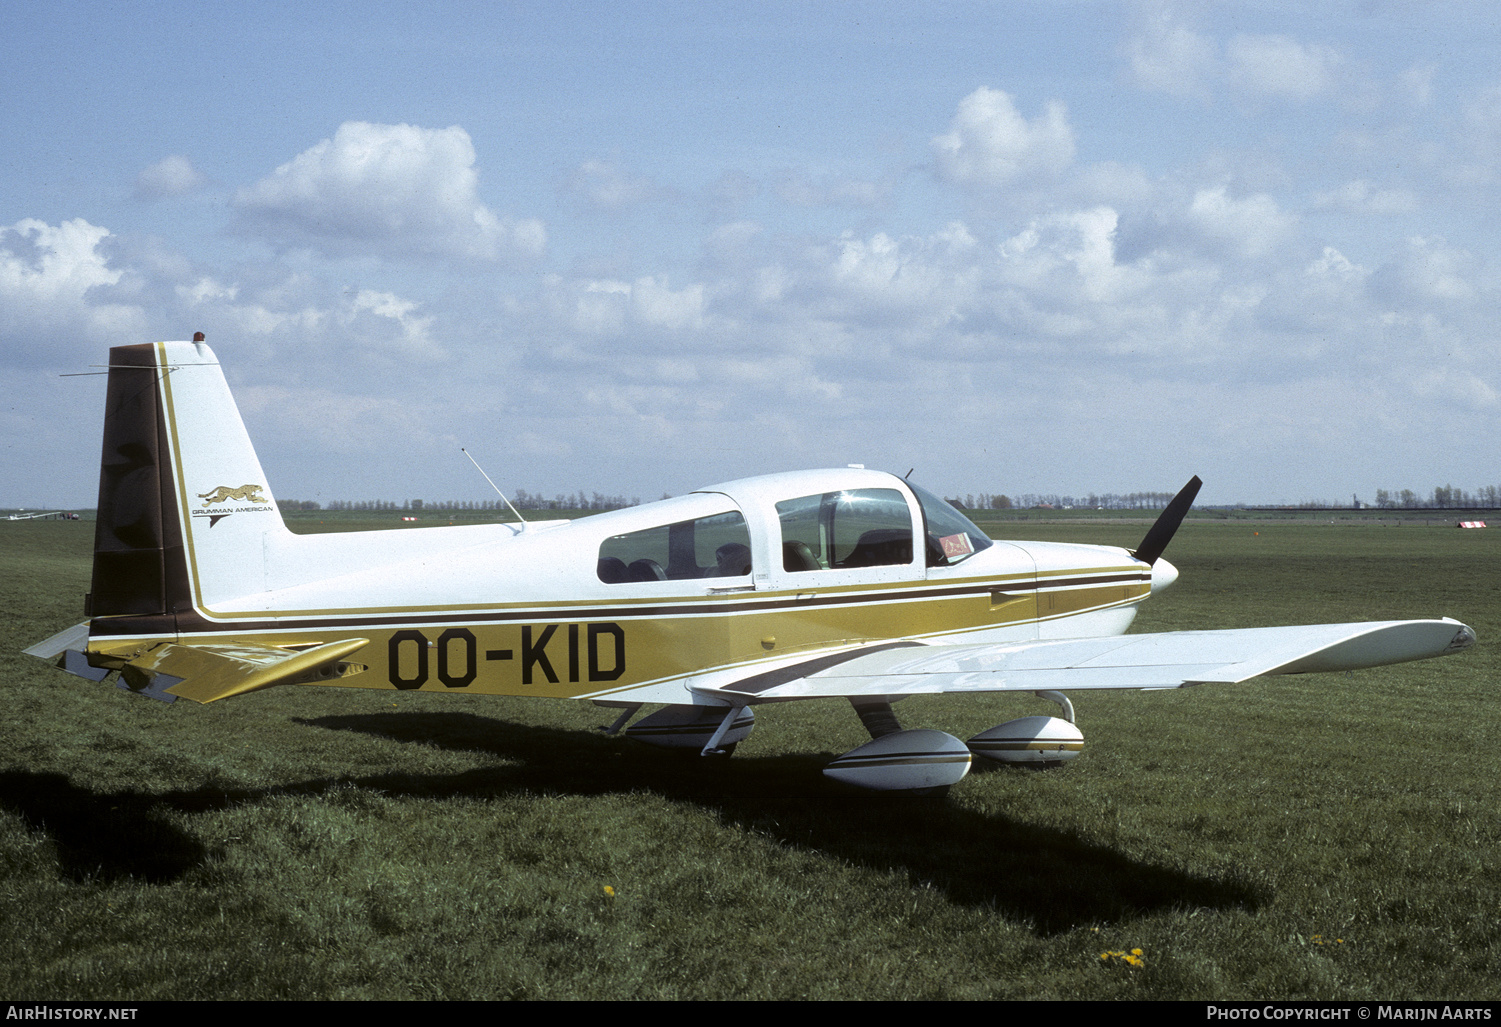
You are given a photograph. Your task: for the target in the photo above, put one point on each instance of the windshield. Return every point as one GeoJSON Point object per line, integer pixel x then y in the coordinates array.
{"type": "Point", "coordinates": [952, 537]}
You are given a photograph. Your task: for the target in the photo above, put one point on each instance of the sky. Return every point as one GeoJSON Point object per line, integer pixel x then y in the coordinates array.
{"type": "Point", "coordinates": [635, 249]}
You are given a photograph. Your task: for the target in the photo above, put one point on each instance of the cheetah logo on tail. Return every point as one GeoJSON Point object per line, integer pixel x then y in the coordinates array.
{"type": "Point", "coordinates": [245, 493]}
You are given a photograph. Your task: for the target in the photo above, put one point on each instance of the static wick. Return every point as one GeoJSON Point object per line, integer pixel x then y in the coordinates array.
{"type": "Point", "coordinates": [499, 493]}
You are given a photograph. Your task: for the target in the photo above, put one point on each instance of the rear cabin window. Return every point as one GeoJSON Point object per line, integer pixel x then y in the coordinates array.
{"type": "Point", "coordinates": [717, 546]}
{"type": "Point", "coordinates": [854, 528]}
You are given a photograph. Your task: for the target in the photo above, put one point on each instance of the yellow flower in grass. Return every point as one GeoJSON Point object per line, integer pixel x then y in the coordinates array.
{"type": "Point", "coordinates": [609, 892]}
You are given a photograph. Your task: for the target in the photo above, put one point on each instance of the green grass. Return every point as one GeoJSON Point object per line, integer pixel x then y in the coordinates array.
{"type": "Point", "coordinates": [1327, 837]}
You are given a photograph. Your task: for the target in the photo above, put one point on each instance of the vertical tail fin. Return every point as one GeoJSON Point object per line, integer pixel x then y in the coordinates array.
{"type": "Point", "coordinates": [162, 544]}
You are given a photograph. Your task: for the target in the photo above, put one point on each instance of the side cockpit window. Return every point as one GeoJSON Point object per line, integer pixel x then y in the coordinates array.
{"type": "Point", "coordinates": [852, 528]}
{"type": "Point", "coordinates": [717, 546]}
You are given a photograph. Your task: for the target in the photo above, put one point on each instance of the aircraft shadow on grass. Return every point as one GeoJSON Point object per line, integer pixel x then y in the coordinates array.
{"type": "Point", "coordinates": [102, 837]}
{"type": "Point", "coordinates": [1049, 879]}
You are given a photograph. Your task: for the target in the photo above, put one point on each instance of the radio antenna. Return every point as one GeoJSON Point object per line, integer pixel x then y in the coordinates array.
{"type": "Point", "coordinates": [499, 493]}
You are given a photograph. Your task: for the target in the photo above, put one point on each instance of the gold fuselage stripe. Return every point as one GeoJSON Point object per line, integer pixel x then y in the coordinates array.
{"type": "Point", "coordinates": [573, 651]}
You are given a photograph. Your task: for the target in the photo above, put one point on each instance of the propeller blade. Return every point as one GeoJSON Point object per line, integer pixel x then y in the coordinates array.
{"type": "Point", "coordinates": [1162, 532]}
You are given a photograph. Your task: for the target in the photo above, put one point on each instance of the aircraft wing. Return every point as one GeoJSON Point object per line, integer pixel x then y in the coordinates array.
{"type": "Point", "coordinates": [1168, 660]}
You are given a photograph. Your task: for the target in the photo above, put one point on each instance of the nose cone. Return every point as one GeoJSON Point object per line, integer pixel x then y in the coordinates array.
{"type": "Point", "coordinates": [1163, 574]}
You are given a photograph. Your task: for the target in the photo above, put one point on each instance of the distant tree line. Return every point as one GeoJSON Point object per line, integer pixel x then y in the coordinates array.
{"type": "Point", "coordinates": [521, 499]}
{"type": "Point", "coordinates": [1093, 501]}
{"type": "Point", "coordinates": [1444, 496]}
{"type": "Point", "coordinates": [525, 500]}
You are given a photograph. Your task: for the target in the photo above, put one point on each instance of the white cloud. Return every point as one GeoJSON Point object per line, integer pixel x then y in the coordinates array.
{"type": "Point", "coordinates": [1114, 184]}
{"type": "Point", "coordinates": [1454, 387]}
{"type": "Point", "coordinates": [989, 143]}
{"type": "Point", "coordinates": [205, 290]}
{"type": "Point", "coordinates": [807, 191]}
{"type": "Point", "coordinates": [312, 317]}
{"type": "Point", "coordinates": [606, 307]}
{"type": "Point", "coordinates": [734, 188]}
{"type": "Point", "coordinates": [170, 176]}
{"type": "Point", "coordinates": [1430, 270]}
{"type": "Point", "coordinates": [606, 184]}
{"type": "Point", "coordinates": [413, 339]}
{"type": "Point", "coordinates": [601, 308]}
{"type": "Point", "coordinates": [51, 279]}
{"type": "Point", "coordinates": [304, 324]}
{"type": "Point", "coordinates": [65, 261]}
{"type": "Point", "coordinates": [926, 278]}
{"type": "Point", "coordinates": [1066, 262]}
{"type": "Point", "coordinates": [1172, 59]}
{"type": "Point", "coordinates": [286, 309]}
{"type": "Point", "coordinates": [1330, 295]}
{"type": "Point", "coordinates": [1280, 66]}
{"type": "Point", "coordinates": [1253, 226]}
{"type": "Point", "coordinates": [1482, 114]}
{"type": "Point", "coordinates": [1335, 265]}
{"type": "Point", "coordinates": [1418, 83]}
{"type": "Point", "coordinates": [1168, 57]}
{"type": "Point", "coordinates": [1093, 253]}
{"type": "Point", "coordinates": [791, 375]}
{"type": "Point", "coordinates": [330, 420]}
{"type": "Point", "coordinates": [401, 189]}
{"type": "Point", "coordinates": [657, 304]}
{"type": "Point", "coordinates": [1361, 197]}
{"type": "Point", "coordinates": [733, 236]}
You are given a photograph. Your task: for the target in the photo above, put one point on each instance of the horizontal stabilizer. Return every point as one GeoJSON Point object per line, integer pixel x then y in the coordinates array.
{"type": "Point", "coordinates": [50, 649]}
{"type": "Point", "coordinates": [65, 650]}
{"type": "Point", "coordinates": [208, 672]}
{"type": "Point", "coordinates": [1167, 660]}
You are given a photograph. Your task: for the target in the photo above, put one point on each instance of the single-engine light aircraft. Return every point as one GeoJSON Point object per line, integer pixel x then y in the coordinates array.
{"type": "Point", "coordinates": [825, 584]}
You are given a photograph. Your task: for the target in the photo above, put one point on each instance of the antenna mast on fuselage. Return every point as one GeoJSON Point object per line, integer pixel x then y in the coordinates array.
{"type": "Point", "coordinates": [499, 493]}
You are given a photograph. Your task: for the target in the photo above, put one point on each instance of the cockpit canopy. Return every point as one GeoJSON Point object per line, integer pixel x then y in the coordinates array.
{"type": "Point", "coordinates": [835, 529]}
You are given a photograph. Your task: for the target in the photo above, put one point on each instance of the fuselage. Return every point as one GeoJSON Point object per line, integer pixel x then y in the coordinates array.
{"type": "Point", "coordinates": [642, 603]}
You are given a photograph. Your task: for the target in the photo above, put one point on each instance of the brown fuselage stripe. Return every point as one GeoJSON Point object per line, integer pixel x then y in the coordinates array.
{"type": "Point", "coordinates": [758, 683]}
{"type": "Point", "coordinates": [191, 622]}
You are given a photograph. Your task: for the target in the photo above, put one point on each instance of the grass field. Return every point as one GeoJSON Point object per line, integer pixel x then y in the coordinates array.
{"type": "Point", "coordinates": [1328, 836]}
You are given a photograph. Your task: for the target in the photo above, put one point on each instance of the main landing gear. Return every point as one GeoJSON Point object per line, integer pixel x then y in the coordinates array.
{"type": "Point", "coordinates": [913, 761]}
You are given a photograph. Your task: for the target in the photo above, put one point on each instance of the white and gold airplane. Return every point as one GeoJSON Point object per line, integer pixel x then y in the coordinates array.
{"type": "Point", "coordinates": [850, 583]}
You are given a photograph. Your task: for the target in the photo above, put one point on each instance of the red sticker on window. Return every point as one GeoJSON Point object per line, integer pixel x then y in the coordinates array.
{"type": "Point", "coordinates": [956, 545]}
